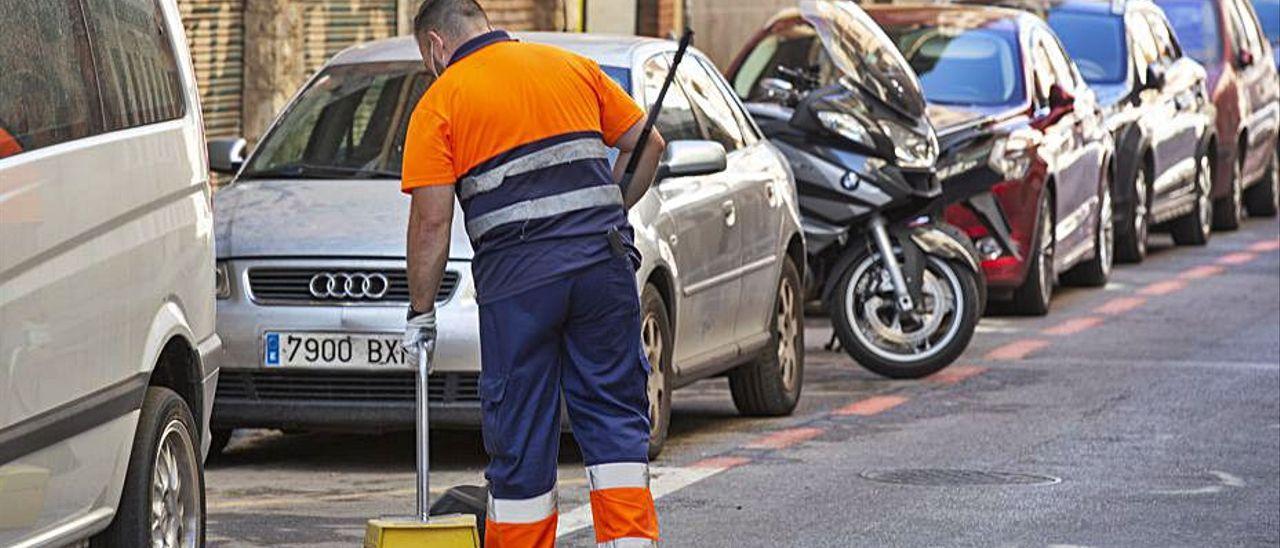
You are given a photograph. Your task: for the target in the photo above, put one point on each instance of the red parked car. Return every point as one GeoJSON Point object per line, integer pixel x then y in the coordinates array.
{"type": "Point", "coordinates": [1225, 36]}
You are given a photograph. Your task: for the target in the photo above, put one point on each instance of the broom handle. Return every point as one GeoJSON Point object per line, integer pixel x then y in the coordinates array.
{"type": "Point", "coordinates": [424, 453]}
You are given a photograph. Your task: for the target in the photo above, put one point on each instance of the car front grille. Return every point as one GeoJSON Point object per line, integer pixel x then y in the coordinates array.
{"type": "Point", "coordinates": [287, 285]}
{"type": "Point", "coordinates": [398, 386]}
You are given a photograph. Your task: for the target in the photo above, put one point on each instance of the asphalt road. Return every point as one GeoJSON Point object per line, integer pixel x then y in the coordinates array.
{"type": "Point", "coordinates": [1146, 413]}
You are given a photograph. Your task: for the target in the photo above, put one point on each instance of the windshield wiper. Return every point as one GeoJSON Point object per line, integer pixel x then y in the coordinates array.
{"type": "Point", "coordinates": [318, 171]}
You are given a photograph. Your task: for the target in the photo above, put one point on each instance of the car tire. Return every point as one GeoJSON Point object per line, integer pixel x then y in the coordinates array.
{"type": "Point", "coordinates": [1195, 227]}
{"type": "Point", "coordinates": [1095, 272]}
{"type": "Point", "coordinates": [656, 341]}
{"type": "Point", "coordinates": [164, 460]}
{"type": "Point", "coordinates": [1033, 296]}
{"type": "Point", "coordinates": [769, 385]}
{"type": "Point", "coordinates": [1228, 212]}
{"type": "Point", "coordinates": [1263, 198]}
{"type": "Point", "coordinates": [1131, 238]}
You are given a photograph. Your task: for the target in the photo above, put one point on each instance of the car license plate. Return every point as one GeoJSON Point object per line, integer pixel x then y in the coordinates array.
{"type": "Point", "coordinates": [337, 350]}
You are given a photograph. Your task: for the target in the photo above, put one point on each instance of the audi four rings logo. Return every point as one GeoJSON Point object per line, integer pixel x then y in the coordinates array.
{"type": "Point", "coordinates": [349, 285]}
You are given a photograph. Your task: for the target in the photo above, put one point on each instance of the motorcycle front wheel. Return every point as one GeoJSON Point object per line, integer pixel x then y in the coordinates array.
{"type": "Point", "coordinates": [879, 337]}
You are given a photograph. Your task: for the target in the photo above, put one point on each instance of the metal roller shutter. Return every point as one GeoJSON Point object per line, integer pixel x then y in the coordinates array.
{"type": "Point", "coordinates": [215, 33]}
{"type": "Point", "coordinates": [329, 26]}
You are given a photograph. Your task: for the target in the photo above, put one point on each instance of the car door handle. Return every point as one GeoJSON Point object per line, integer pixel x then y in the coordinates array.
{"type": "Point", "coordinates": [730, 211]}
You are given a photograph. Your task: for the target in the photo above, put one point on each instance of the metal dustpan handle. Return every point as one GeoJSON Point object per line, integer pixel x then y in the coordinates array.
{"type": "Point", "coordinates": [424, 453]}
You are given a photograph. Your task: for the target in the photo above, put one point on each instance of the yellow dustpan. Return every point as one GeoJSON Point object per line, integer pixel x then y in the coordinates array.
{"type": "Point", "coordinates": [421, 530]}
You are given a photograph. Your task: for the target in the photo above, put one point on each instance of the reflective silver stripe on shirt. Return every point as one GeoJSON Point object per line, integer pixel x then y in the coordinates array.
{"type": "Point", "coordinates": [618, 474]}
{"type": "Point", "coordinates": [628, 542]}
{"type": "Point", "coordinates": [530, 510]}
{"type": "Point", "coordinates": [561, 153]}
{"type": "Point", "coordinates": [596, 196]}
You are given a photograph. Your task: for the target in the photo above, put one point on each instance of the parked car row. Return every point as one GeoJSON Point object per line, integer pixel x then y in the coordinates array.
{"type": "Point", "coordinates": [900, 165]}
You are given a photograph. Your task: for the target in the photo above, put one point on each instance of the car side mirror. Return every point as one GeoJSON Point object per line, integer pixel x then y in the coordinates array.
{"type": "Point", "coordinates": [1155, 77]}
{"type": "Point", "coordinates": [1244, 58]}
{"type": "Point", "coordinates": [226, 154]}
{"type": "Point", "coordinates": [691, 158]}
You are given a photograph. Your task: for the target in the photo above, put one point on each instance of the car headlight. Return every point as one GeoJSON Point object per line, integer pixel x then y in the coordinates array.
{"type": "Point", "coordinates": [845, 125]}
{"type": "Point", "coordinates": [222, 281]}
{"type": "Point", "coordinates": [1011, 155]}
{"type": "Point", "coordinates": [911, 149]}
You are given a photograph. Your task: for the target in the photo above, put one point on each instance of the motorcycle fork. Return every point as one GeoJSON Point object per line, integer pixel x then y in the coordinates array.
{"type": "Point", "coordinates": [905, 276]}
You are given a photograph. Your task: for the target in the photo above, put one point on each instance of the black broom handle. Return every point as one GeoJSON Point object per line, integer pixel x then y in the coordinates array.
{"type": "Point", "coordinates": [652, 116]}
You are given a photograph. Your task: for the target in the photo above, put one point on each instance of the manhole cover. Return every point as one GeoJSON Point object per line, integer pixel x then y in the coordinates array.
{"type": "Point", "coordinates": [937, 476]}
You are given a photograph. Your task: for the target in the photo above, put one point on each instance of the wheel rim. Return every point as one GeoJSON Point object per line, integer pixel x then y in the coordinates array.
{"type": "Point", "coordinates": [1275, 181]}
{"type": "Point", "coordinates": [877, 324]}
{"type": "Point", "coordinates": [1205, 200]}
{"type": "Point", "coordinates": [1237, 193]}
{"type": "Point", "coordinates": [1140, 209]}
{"type": "Point", "coordinates": [1044, 269]}
{"type": "Point", "coordinates": [788, 330]}
{"type": "Point", "coordinates": [654, 346]}
{"type": "Point", "coordinates": [1107, 231]}
{"type": "Point", "coordinates": [175, 500]}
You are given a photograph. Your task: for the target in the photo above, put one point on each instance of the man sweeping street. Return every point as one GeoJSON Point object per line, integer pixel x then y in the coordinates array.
{"type": "Point", "coordinates": [520, 133]}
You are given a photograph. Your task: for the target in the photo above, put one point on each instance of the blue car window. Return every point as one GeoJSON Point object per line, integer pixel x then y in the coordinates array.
{"type": "Point", "coordinates": [963, 66]}
{"type": "Point", "coordinates": [1196, 24]}
{"type": "Point", "coordinates": [1095, 41]}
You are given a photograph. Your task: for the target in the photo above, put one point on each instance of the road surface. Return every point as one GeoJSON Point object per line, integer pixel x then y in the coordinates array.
{"type": "Point", "coordinates": [1146, 413]}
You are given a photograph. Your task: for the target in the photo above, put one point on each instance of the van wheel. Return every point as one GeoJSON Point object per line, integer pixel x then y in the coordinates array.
{"type": "Point", "coordinates": [655, 340]}
{"type": "Point", "coordinates": [1033, 296]}
{"type": "Point", "coordinates": [770, 384]}
{"type": "Point", "coordinates": [1228, 212]}
{"type": "Point", "coordinates": [1263, 198]}
{"type": "Point", "coordinates": [162, 503]}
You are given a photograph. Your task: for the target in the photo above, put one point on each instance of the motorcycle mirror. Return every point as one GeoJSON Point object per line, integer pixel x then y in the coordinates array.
{"type": "Point", "coordinates": [776, 90]}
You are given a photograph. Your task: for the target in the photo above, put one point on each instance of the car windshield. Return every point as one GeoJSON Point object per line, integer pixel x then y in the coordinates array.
{"type": "Point", "coordinates": [1196, 24]}
{"type": "Point", "coordinates": [1096, 43]}
{"type": "Point", "coordinates": [963, 66]}
{"type": "Point", "coordinates": [1269, 16]}
{"type": "Point", "coordinates": [350, 123]}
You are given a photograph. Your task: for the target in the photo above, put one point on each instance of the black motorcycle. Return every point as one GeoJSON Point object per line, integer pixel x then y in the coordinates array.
{"type": "Point", "coordinates": [828, 88]}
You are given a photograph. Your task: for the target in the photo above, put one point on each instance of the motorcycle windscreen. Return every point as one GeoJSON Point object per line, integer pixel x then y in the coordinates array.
{"type": "Point", "coordinates": [864, 54]}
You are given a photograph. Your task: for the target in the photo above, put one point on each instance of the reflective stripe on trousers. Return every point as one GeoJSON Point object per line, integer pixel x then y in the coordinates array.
{"type": "Point", "coordinates": [521, 523]}
{"type": "Point", "coordinates": [621, 505]}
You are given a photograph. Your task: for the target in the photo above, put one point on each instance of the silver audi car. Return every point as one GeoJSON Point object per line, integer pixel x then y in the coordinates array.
{"type": "Point", "coordinates": [311, 244]}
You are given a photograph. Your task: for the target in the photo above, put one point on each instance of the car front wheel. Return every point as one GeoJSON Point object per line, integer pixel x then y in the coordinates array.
{"type": "Point", "coordinates": [162, 504]}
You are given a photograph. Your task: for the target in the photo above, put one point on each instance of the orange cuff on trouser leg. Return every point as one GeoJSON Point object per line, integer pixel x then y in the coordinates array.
{"type": "Point", "coordinates": [527, 523]}
{"type": "Point", "coordinates": [621, 504]}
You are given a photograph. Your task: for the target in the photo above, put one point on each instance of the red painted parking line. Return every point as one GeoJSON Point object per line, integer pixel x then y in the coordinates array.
{"type": "Point", "coordinates": [1203, 271]}
{"type": "Point", "coordinates": [1265, 246]}
{"type": "Point", "coordinates": [1120, 305]}
{"type": "Point", "coordinates": [1016, 350]}
{"type": "Point", "coordinates": [784, 438]}
{"type": "Point", "coordinates": [1237, 258]}
{"type": "Point", "coordinates": [955, 374]}
{"type": "Point", "coordinates": [1074, 325]}
{"type": "Point", "coordinates": [1163, 288]}
{"type": "Point", "coordinates": [870, 406]}
{"type": "Point", "coordinates": [720, 462]}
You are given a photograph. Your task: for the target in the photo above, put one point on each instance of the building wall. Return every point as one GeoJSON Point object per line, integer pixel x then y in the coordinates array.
{"type": "Point", "coordinates": [721, 27]}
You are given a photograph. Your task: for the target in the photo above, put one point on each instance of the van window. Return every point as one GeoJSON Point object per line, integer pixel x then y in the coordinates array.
{"type": "Point", "coordinates": [47, 92]}
{"type": "Point", "coordinates": [136, 66]}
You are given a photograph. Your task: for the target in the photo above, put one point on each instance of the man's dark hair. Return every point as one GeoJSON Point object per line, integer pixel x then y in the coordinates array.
{"type": "Point", "coordinates": [448, 17]}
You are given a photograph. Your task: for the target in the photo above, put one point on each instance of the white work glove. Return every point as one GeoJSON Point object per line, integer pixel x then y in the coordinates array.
{"type": "Point", "coordinates": [419, 329]}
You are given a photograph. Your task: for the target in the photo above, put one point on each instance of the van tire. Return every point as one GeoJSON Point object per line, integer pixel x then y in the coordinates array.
{"type": "Point", "coordinates": [164, 414]}
{"type": "Point", "coordinates": [760, 387]}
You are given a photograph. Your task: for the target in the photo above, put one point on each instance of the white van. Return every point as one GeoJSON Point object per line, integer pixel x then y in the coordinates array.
{"type": "Point", "coordinates": [106, 277]}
